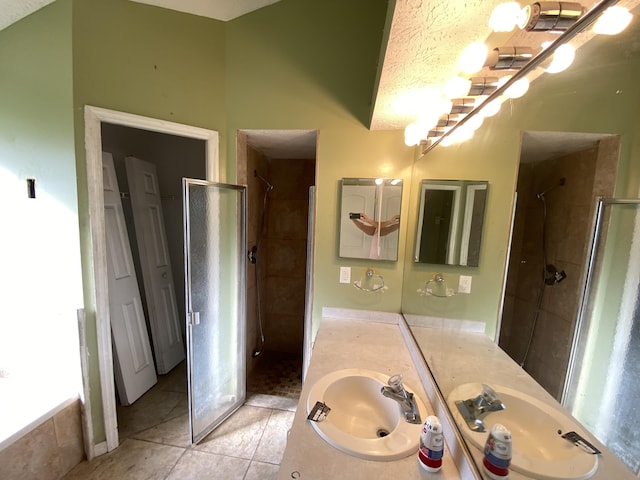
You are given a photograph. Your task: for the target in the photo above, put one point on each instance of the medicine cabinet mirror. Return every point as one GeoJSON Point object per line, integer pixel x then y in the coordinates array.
{"type": "Point", "coordinates": [370, 218]}
{"type": "Point", "coordinates": [450, 221]}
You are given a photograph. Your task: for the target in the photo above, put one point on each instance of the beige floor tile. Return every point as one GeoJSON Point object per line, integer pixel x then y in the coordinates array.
{"type": "Point", "coordinates": [274, 440]}
{"type": "Point", "coordinates": [196, 465]}
{"type": "Point", "coordinates": [173, 432]}
{"type": "Point", "coordinates": [152, 408]}
{"type": "Point", "coordinates": [262, 471]}
{"type": "Point", "coordinates": [272, 401]}
{"type": "Point", "coordinates": [133, 460]}
{"type": "Point", "coordinates": [239, 435]}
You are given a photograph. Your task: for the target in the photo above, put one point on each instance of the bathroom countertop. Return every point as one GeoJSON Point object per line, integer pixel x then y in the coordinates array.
{"type": "Point", "coordinates": [456, 356]}
{"type": "Point", "coordinates": [340, 344]}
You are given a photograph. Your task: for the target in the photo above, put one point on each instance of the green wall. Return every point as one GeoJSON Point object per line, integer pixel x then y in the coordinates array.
{"type": "Point", "coordinates": [303, 64]}
{"type": "Point", "coordinates": [593, 97]}
{"type": "Point", "coordinates": [294, 65]}
{"type": "Point", "coordinates": [40, 277]}
{"type": "Point", "coordinates": [148, 61]}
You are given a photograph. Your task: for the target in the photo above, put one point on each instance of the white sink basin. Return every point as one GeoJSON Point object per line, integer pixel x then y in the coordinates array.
{"type": "Point", "coordinates": [362, 422]}
{"type": "Point", "coordinates": [538, 450]}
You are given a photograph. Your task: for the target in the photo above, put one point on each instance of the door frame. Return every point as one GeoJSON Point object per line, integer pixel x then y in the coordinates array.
{"type": "Point", "coordinates": [97, 261]}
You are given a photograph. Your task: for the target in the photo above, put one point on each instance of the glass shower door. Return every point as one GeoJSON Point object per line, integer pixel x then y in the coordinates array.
{"type": "Point", "coordinates": [214, 230]}
{"type": "Point", "coordinates": [603, 384]}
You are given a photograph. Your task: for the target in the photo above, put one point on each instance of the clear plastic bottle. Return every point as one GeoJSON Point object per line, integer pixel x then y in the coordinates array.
{"type": "Point", "coordinates": [497, 453]}
{"type": "Point", "coordinates": [431, 445]}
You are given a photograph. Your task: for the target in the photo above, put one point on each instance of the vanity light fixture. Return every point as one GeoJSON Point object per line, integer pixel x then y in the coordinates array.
{"type": "Point", "coordinates": [482, 86]}
{"type": "Point", "coordinates": [458, 87]}
{"type": "Point", "coordinates": [568, 19]}
{"type": "Point", "coordinates": [448, 120]}
{"type": "Point", "coordinates": [462, 105]}
{"type": "Point", "coordinates": [550, 16]}
{"type": "Point", "coordinates": [508, 58]}
{"type": "Point", "coordinates": [613, 21]}
{"type": "Point", "coordinates": [436, 133]}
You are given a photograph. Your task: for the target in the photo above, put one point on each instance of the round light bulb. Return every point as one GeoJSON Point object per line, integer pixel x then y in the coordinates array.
{"type": "Point", "coordinates": [491, 108]}
{"type": "Point", "coordinates": [505, 16]}
{"type": "Point", "coordinates": [517, 89]}
{"type": "Point", "coordinates": [613, 21]}
{"type": "Point", "coordinates": [426, 121]}
{"type": "Point", "coordinates": [411, 135]}
{"type": "Point", "coordinates": [472, 58]}
{"type": "Point", "coordinates": [523, 17]}
{"type": "Point", "coordinates": [562, 58]}
{"type": "Point", "coordinates": [474, 123]}
{"type": "Point", "coordinates": [457, 87]}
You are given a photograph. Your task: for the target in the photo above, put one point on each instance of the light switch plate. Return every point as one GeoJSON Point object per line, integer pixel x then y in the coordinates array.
{"type": "Point", "coordinates": [464, 285]}
{"type": "Point", "coordinates": [345, 274]}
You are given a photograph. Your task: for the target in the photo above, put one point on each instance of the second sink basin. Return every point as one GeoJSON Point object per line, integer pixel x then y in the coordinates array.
{"type": "Point", "coordinates": [362, 422]}
{"type": "Point", "coordinates": [538, 450]}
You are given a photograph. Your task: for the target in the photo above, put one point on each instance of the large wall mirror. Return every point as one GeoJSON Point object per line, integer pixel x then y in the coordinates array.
{"type": "Point", "coordinates": [450, 220]}
{"type": "Point", "coordinates": [370, 218]}
{"type": "Point", "coordinates": [593, 108]}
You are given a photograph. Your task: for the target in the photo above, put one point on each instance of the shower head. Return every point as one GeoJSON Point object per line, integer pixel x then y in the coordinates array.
{"type": "Point", "coordinates": [560, 183]}
{"type": "Point", "coordinates": [264, 180]}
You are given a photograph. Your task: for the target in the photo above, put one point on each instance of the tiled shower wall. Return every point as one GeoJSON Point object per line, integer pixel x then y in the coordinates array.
{"type": "Point", "coordinates": [570, 209]}
{"type": "Point", "coordinates": [283, 249]}
{"type": "Point", "coordinates": [287, 252]}
{"type": "Point", "coordinates": [258, 163]}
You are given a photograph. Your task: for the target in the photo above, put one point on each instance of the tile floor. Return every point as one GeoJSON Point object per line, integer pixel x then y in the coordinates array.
{"type": "Point", "coordinates": [154, 437]}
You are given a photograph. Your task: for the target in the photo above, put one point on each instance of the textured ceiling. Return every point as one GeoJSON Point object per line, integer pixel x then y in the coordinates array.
{"type": "Point", "coordinates": [13, 10]}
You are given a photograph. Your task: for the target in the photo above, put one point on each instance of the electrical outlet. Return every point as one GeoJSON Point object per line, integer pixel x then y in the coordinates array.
{"type": "Point", "coordinates": [345, 274]}
{"type": "Point", "coordinates": [464, 285]}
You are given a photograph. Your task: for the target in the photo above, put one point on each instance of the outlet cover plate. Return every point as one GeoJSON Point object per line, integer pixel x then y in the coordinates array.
{"type": "Point", "coordinates": [464, 284]}
{"type": "Point", "coordinates": [345, 274]}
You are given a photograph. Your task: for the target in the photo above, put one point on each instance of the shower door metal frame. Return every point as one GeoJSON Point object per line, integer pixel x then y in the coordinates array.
{"type": "Point", "coordinates": [193, 317]}
{"type": "Point", "coordinates": [581, 323]}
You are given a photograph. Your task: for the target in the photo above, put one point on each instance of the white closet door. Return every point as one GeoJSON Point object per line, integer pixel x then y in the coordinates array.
{"type": "Point", "coordinates": [133, 362]}
{"type": "Point", "coordinates": [156, 267]}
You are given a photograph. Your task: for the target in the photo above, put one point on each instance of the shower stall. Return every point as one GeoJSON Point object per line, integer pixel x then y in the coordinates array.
{"type": "Point", "coordinates": [546, 269]}
{"type": "Point", "coordinates": [277, 240]}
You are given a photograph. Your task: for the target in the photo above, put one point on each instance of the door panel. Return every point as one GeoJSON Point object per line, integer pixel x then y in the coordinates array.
{"type": "Point", "coordinates": [215, 271]}
{"type": "Point", "coordinates": [156, 267]}
{"type": "Point", "coordinates": [133, 361]}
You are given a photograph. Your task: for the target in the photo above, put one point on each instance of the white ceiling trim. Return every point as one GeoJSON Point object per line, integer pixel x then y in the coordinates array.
{"type": "Point", "coordinates": [224, 10]}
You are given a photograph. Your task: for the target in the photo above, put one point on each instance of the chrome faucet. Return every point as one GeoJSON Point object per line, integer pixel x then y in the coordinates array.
{"type": "Point", "coordinates": [396, 391]}
{"type": "Point", "coordinates": [475, 409]}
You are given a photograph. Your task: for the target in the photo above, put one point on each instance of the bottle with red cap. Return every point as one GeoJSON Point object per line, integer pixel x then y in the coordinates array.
{"type": "Point", "coordinates": [431, 445]}
{"type": "Point", "coordinates": [497, 453]}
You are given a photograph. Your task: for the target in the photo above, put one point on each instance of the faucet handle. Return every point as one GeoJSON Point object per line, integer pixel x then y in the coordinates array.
{"type": "Point", "coordinates": [395, 382]}
{"type": "Point", "coordinates": [489, 394]}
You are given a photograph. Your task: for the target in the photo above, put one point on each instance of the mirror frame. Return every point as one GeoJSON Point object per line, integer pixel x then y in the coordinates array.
{"type": "Point", "coordinates": [373, 208]}
{"type": "Point", "coordinates": [458, 238]}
